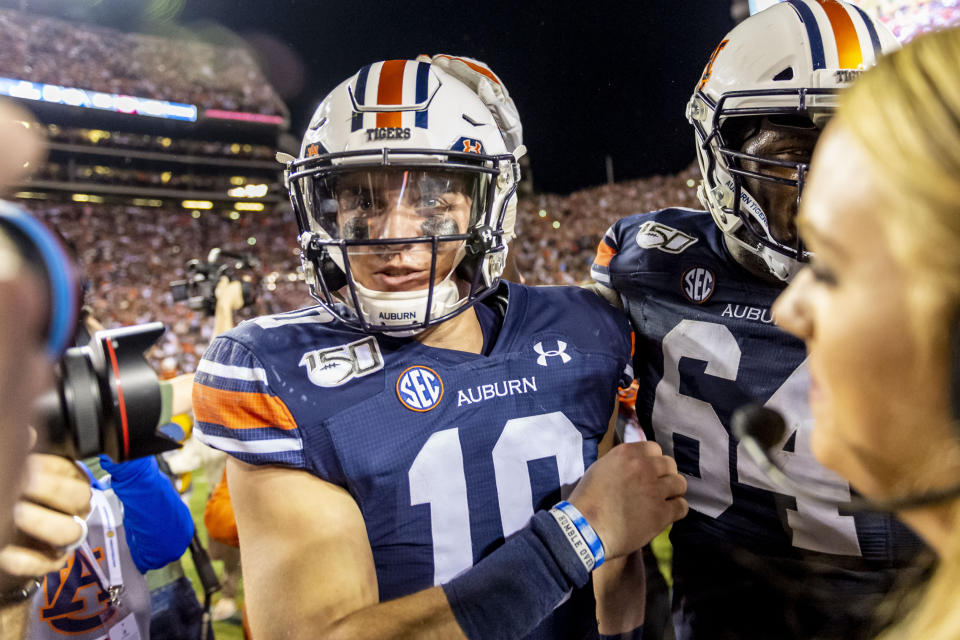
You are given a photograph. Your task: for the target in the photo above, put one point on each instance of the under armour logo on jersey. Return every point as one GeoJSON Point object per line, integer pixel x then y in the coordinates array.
{"type": "Point", "coordinates": [560, 351]}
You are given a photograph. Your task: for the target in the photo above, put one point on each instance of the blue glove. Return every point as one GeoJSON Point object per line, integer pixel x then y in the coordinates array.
{"type": "Point", "coordinates": [158, 524]}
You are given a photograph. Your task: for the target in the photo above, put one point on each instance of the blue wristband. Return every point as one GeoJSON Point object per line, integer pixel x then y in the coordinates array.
{"type": "Point", "coordinates": [587, 533]}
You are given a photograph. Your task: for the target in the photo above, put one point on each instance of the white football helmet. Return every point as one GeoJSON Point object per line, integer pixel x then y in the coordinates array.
{"type": "Point", "coordinates": [788, 60]}
{"type": "Point", "coordinates": [403, 135]}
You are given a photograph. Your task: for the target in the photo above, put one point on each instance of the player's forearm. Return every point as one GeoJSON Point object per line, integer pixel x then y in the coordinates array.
{"type": "Point", "coordinates": [425, 614]}
{"type": "Point", "coordinates": [293, 608]}
{"type": "Point", "coordinates": [502, 597]}
{"type": "Point", "coordinates": [182, 400]}
{"type": "Point", "coordinates": [620, 589]}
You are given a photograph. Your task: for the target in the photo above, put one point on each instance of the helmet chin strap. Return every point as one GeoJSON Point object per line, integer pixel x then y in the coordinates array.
{"type": "Point", "coordinates": [781, 266]}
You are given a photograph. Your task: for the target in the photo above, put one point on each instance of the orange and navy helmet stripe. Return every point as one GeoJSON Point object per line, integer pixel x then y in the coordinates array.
{"type": "Point", "coordinates": [390, 91]}
{"type": "Point", "coordinates": [845, 34]}
{"type": "Point", "coordinates": [360, 92]}
{"type": "Point", "coordinates": [423, 84]}
{"type": "Point", "coordinates": [842, 31]}
{"type": "Point", "coordinates": [392, 88]}
{"type": "Point", "coordinates": [871, 30]}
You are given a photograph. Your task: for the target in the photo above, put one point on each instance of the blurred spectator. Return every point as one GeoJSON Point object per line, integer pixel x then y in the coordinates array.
{"type": "Point", "coordinates": [222, 527]}
{"type": "Point", "coordinates": [908, 19]}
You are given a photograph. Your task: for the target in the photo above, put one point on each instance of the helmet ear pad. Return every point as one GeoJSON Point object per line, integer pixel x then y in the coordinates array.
{"type": "Point", "coordinates": [481, 243]}
{"type": "Point", "coordinates": [333, 276]}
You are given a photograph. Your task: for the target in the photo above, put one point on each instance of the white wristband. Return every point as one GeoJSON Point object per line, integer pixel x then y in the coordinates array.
{"type": "Point", "coordinates": [575, 538]}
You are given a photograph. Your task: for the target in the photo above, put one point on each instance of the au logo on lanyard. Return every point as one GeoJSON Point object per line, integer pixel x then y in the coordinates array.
{"type": "Point", "coordinates": [74, 600]}
{"type": "Point", "coordinates": [419, 388]}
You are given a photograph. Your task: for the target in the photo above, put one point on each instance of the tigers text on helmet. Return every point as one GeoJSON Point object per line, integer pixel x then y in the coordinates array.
{"type": "Point", "coordinates": [405, 198]}
{"type": "Point", "coordinates": [784, 63]}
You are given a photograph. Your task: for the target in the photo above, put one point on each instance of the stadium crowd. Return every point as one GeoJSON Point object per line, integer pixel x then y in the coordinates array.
{"type": "Point", "coordinates": [558, 235]}
{"type": "Point", "coordinates": [131, 254]}
{"type": "Point", "coordinates": [164, 144]}
{"type": "Point", "coordinates": [52, 51]}
{"type": "Point", "coordinates": [185, 179]}
{"type": "Point", "coordinates": [906, 22]}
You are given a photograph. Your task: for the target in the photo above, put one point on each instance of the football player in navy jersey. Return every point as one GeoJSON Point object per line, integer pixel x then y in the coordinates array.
{"type": "Point", "coordinates": [750, 561]}
{"type": "Point", "coordinates": [406, 457]}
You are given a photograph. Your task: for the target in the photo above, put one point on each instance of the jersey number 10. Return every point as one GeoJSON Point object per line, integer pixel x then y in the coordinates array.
{"type": "Point", "coordinates": [437, 478]}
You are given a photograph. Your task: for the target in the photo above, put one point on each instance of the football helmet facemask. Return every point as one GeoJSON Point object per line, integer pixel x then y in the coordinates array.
{"type": "Point", "coordinates": [405, 198]}
{"type": "Point", "coordinates": [785, 63]}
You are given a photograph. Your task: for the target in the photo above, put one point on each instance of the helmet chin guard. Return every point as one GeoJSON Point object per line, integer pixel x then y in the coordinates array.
{"type": "Point", "coordinates": [419, 181]}
{"type": "Point", "coordinates": [402, 308]}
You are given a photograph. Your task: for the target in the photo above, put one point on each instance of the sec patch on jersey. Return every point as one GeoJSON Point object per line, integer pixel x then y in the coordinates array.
{"type": "Point", "coordinates": [698, 284]}
{"type": "Point", "coordinates": [419, 388]}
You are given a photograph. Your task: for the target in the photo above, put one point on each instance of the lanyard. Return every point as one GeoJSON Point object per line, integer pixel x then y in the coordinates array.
{"type": "Point", "coordinates": [111, 548]}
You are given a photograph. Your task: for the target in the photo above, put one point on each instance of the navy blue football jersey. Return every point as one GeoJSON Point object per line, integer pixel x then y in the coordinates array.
{"type": "Point", "coordinates": [445, 452]}
{"type": "Point", "coordinates": [706, 345]}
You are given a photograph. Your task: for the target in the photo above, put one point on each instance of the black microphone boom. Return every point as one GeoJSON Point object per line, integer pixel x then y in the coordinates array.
{"type": "Point", "coordinates": [760, 429]}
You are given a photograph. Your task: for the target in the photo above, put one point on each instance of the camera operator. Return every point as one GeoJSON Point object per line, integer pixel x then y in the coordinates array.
{"type": "Point", "coordinates": [136, 522]}
{"type": "Point", "coordinates": [41, 497]}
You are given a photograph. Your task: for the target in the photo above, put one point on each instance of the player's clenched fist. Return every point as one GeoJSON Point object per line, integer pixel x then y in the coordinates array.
{"type": "Point", "coordinates": [630, 495]}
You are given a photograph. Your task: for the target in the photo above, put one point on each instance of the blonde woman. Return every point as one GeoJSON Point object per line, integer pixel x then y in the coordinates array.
{"type": "Point", "coordinates": [878, 307]}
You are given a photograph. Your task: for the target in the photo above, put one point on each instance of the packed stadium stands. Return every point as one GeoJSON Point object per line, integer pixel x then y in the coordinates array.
{"type": "Point", "coordinates": [57, 52]}
{"type": "Point", "coordinates": [559, 234]}
{"type": "Point", "coordinates": [99, 138]}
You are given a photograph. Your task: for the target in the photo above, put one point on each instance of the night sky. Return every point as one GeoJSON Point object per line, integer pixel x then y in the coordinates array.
{"type": "Point", "coordinates": [590, 78]}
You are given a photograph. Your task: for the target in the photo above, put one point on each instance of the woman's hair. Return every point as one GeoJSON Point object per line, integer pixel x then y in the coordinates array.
{"type": "Point", "coordinates": [906, 114]}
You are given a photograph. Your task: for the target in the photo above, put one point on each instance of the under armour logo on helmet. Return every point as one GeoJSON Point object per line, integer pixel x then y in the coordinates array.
{"type": "Point", "coordinates": [561, 351]}
{"type": "Point", "coordinates": [472, 146]}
